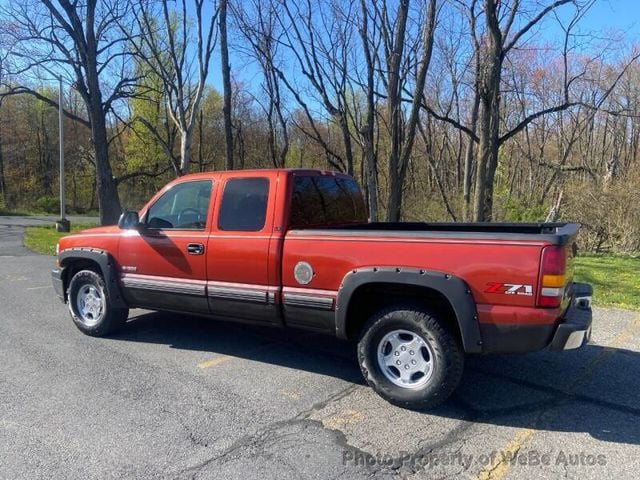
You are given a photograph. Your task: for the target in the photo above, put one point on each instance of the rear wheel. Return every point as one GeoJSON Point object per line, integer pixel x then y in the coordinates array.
{"type": "Point", "coordinates": [90, 307]}
{"type": "Point", "coordinates": [409, 356]}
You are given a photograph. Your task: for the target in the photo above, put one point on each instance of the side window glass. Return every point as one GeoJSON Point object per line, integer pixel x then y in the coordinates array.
{"type": "Point", "coordinates": [357, 200]}
{"type": "Point", "coordinates": [183, 207]}
{"type": "Point", "coordinates": [244, 205]}
{"type": "Point", "coordinates": [324, 200]}
{"type": "Point", "coordinates": [307, 205]}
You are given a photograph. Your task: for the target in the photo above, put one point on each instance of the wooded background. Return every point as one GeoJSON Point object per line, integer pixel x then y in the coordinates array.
{"type": "Point", "coordinates": [444, 110]}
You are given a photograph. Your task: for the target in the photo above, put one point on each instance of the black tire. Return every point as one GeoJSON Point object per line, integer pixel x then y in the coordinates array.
{"type": "Point", "coordinates": [442, 346]}
{"type": "Point", "coordinates": [108, 319]}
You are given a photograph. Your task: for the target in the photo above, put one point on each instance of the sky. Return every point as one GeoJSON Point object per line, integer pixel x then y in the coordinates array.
{"type": "Point", "coordinates": [619, 14]}
{"type": "Point", "coordinates": [606, 18]}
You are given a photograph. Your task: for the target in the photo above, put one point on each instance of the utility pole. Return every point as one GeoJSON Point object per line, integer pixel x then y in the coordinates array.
{"type": "Point", "coordinates": [62, 225]}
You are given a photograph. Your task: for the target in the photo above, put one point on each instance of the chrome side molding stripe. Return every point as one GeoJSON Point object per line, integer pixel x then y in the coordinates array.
{"type": "Point", "coordinates": [164, 284]}
{"type": "Point", "coordinates": [308, 298]}
{"type": "Point", "coordinates": [246, 295]}
{"type": "Point", "coordinates": [244, 292]}
{"type": "Point", "coordinates": [241, 292]}
{"type": "Point", "coordinates": [308, 301]}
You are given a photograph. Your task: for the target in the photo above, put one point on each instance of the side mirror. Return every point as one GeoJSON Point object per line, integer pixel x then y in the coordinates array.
{"type": "Point", "coordinates": [129, 220]}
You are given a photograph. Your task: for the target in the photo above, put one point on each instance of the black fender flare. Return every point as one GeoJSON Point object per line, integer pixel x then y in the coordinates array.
{"type": "Point", "coordinates": [107, 267]}
{"type": "Point", "coordinates": [453, 288]}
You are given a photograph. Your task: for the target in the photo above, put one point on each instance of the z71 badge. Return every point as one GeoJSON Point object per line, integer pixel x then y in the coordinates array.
{"type": "Point", "coordinates": [509, 289]}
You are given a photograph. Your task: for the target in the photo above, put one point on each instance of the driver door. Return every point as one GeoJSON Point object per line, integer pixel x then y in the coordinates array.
{"type": "Point", "coordinates": [163, 264]}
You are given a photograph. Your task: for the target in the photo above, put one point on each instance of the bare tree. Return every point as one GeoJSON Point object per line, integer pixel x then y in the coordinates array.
{"type": "Point", "coordinates": [318, 38]}
{"type": "Point", "coordinates": [259, 26]}
{"type": "Point", "coordinates": [402, 134]}
{"type": "Point", "coordinates": [163, 41]}
{"type": "Point", "coordinates": [80, 42]}
{"type": "Point", "coordinates": [491, 46]}
{"type": "Point", "coordinates": [226, 85]}
{"type": "Point", "coordinates": [367, 130]}
{"type": "Point", "coordinates": [3, 183]}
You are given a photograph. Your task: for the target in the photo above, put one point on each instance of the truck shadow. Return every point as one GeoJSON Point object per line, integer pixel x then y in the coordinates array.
{"type": "Point", "coordinates": [592, 390]}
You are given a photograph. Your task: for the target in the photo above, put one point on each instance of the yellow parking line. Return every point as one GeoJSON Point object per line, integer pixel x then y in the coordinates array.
{"type": "Point", "coordinates": [215, 361]}
{"type": "Point", "coordinates": [500, 465]}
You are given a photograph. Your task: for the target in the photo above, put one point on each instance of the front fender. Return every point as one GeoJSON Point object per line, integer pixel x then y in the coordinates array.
{"type": "Point", "coordinates": [107, 267]}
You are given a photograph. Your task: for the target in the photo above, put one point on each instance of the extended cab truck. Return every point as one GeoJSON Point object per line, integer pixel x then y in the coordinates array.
{"type": "Point", "coordinates": [293, 248]}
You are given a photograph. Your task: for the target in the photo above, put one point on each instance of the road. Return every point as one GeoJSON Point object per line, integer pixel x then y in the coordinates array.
{"type": "Point", "coordinates": [173, 396]}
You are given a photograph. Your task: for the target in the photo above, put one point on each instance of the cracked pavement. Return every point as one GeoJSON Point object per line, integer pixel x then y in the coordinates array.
{"type": "Point", "coordinates": [285, 404]}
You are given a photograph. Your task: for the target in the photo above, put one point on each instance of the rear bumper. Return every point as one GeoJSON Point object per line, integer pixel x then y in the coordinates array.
{"type": "Point", "coordinates": [58, 282]}
{"type": "Point", "coordinates": [572, 330]}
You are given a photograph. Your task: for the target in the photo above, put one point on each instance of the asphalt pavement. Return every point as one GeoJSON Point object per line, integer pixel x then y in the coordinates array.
{"type": "Point", "coordinates": [173, 396]}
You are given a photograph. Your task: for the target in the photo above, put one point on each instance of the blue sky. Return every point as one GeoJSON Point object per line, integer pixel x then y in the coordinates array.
{"type": "Point", "coordinates": [618, 14]}
{"type": "Point", "coordinates": [606, 18]}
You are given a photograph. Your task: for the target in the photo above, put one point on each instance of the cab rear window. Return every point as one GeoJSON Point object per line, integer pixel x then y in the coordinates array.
{"type": "Point", "coordinates": [323, 200]}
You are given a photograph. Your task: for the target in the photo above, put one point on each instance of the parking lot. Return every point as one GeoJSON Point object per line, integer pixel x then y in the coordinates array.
{"type": "Point", "coordinates": [173, 396]}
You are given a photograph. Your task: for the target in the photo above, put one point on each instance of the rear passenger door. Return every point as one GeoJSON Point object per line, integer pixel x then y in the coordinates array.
{"type": "Point", "coordinates": [241, 284]}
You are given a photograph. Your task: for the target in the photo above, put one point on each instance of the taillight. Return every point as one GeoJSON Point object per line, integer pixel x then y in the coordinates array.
{"type": "Point", "coordinates": [552, 277]}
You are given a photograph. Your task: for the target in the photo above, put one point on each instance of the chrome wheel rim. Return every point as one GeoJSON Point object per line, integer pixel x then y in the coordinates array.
{"type": "Point", "coordinates": [90, 305]}
{"type": "Point", "coordinates": [406, 359]}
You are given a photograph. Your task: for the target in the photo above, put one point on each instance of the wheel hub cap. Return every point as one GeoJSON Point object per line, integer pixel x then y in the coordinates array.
{"type": "Point", "coordinates": [90, 305]}
{"type": "Point", "coordinates": [405, 358]}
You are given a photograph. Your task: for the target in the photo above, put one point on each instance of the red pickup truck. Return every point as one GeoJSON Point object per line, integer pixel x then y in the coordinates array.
{"type": "Point", "coordinates": [293, 248]}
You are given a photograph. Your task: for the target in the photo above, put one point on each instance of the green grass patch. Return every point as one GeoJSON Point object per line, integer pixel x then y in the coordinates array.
{"type": "Point", "coordinates": [16, 213]}
{"type": "Point", "coordinates": [615, 279]}
{"type": "Point", "coordinates": [44, 239]}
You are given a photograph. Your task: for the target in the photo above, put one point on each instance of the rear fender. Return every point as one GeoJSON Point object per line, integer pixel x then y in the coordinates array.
{"type": "Point", "coordinates": [453, 288]}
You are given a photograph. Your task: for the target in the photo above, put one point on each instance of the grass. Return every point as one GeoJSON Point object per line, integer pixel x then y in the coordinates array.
{"type": "Point", "coordinates": [44, 239]}
{"type": "Point", "coordinates": [615, 279]}
{"type": "Point", "coordinates": [4, 212]}
{"type": "Point", "coordinates": [15, 213]}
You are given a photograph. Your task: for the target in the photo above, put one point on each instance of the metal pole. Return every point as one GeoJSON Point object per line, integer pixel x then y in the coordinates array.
{"type": "Point", "coordinates": [62, 225]}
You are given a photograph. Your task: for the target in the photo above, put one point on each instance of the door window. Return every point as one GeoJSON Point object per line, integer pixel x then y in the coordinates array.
{"type": "Point", "coordinates": [244, 205]}
{"type": "Point", "coordinates": [183, 207]}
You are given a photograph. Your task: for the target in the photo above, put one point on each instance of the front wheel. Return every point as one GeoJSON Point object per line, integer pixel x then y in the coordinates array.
{"type": "Point", "coordinates": [410, 357]}
{"type": "Point", "coordinates": [90, 307]}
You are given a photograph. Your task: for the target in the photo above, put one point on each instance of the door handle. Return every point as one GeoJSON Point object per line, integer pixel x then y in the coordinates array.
{"type": "Point", "coordinates": [195, 249]}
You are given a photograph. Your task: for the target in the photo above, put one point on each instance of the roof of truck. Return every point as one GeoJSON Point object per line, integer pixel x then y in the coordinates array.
{"type": "Point", "coordinates": [263, 171]}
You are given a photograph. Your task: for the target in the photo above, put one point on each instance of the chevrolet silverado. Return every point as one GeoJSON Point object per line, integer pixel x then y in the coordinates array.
{"type": "Point", "coordinates": [293, 248]}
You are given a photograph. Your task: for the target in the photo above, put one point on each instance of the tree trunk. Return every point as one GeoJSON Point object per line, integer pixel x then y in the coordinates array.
{"type": "Point", "coordinates": [394, 101]}
{"type": "Point", "coordinates": [185, 151]}
{"type": "Point", "coordinates": [367, 131]}
{"type": "Point", "coordinates": [487, 158]}
{"type": "Point", "coordinates": [468, 160]}
{"type": "Point", "coordinates": [226, 84]}
{"type": "Point", "coordinates": [3, 183]}
{"type": "Point", "coordinates": [106, 188]}
{"type": "Point", "coordinates": [108, 201]}
{"type": "Point", "coordinates": [346, 138]}
{"type": "Point", "coordinates": [489, 115]}
{"type": "Point", "coordinates": [403, 133]}
{"type": "Point", "coordinates": [371, 169]}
